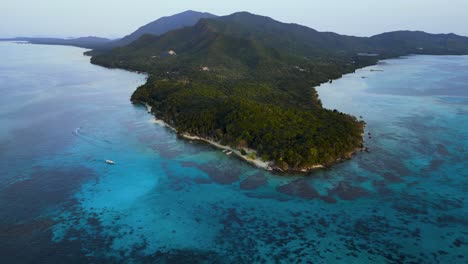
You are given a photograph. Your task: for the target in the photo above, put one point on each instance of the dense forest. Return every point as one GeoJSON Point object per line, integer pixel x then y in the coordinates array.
{"type": "Point", "coordinates": [247, 81]}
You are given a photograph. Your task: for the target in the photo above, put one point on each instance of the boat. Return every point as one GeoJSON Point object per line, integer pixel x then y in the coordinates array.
{"type": "Point", "coordinates": [225, 150]}
{"type": "Point", "coordinates": [229, 153]}
{"type": "Point", "coordinates": [110, 162]}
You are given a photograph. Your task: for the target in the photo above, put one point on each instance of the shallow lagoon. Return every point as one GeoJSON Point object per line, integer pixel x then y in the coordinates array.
{"type": "Point", "coordinates": [174, 200]}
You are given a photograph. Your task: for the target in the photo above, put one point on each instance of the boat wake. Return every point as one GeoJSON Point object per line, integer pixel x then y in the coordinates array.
{"type": "Point", "coordinates": [93, 140]}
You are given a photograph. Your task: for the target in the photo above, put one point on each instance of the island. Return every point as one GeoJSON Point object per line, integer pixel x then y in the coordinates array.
{"type": "Point", "coordinates": [245, 83]}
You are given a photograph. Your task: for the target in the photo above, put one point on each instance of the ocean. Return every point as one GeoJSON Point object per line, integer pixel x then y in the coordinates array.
{"type": "Point", "coordinates": [170, 200]}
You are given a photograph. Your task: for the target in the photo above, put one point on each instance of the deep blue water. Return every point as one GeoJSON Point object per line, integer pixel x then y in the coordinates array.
{"type": "Point", "coordinates": [175, 201]}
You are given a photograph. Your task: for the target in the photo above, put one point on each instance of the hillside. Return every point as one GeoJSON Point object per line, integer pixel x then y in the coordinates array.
{"type": "Point", "coordinates": [157, 27]}
{"type": "Point", "coordinates": [418, 42]}
{"type": "Point", "coordinates": [247, 81]}
{"type": "Point", "coordinates": [163, 25]}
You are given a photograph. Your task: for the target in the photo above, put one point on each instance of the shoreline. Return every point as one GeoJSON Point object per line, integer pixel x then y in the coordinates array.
{"type": "Point", "coordinates": [257, 162]}
{"type": "Point", "coordinates": [268, 165]}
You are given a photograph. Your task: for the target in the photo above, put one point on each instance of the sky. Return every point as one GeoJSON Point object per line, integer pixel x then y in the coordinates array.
{"type": "Point", "coordinates": [117, 18]}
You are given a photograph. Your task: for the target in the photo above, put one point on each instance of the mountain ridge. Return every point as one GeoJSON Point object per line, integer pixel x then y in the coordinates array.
{"type": "Point", "coordinates": [157, 27]}
{"type": "Point", "coordinates": [163, 25]}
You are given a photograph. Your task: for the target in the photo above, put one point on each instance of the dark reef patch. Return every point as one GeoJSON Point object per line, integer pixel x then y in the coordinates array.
{"type": "Point", "coordinates": [176, 182]}
{"type": "Point", "coordinates": [434, 165]}
{"type": "Point", "coordinates": [232, 218]}
{"type": "Point", "coordinates": [31, 242]}
{"type": "Point", "coordinates": [389, 162]}
{"type": "Point", "coordinates": [272, 196]}
{"type": "Point", "coordinates": [45, 188]}
{"type": "Point", "coordinates": [221, 176]}
{"type": "Point", "coordinates": [200, 180]}
{"type": "Point", "coordinates": [328, 199]}
{"type": "Point", "coordinates": [179, 183]}
{"type": "Point", "coordinates": [450, 220]}
{"type": "Point", "coordinates": [411, 209]}
{"type": "Point", "coordinates": [299, 188]}
{"type": "Point", "coordinates": [442, 150]}
{"type": "Point", "coordinates": [182, 256]}
{"type": "Point", "coordinates": [188, 164]}
{"type": "Point", "coordinates": [397, 165]}
{"type": "Point", "coordinates": [392, 178]}
{"type": "Point", "coordinates": [253, 182]}
{"type": "Point", "coordinates": [166, 150]}
{"type": "Point", "coordinates": [382, 187]}
{"type": "Point", "coordinates": [346, 191]}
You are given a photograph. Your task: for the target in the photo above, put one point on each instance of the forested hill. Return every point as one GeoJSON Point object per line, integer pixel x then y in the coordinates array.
{"type": "Point", "coordinates": [256, 41]}
{"type": "Point", "coordinates": [247, 81]}
{"type": "Point", "coordinates": [418, 42]}
{"type": "Point", "coordinates": [163, 25]}
{"type": "Point", "coordinates": [157, 27]}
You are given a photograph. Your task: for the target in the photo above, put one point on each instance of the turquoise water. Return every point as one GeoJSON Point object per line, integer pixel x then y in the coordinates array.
{"type": "Point", "coordinates": [176, 201]}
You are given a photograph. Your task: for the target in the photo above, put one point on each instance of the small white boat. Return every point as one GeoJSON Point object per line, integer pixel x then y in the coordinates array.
{"type": "Point", "coordinates": [110, 162]}
{"type": "Point", "coordinates": [224, 150]}
{"type": "Point", "coordinates": [229, 153]}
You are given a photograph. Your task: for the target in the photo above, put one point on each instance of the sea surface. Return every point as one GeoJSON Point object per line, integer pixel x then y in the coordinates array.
{"type": "Point", "coordinates": [168, 200]}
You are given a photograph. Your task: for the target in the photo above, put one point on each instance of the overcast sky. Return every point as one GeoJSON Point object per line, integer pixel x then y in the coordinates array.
{"type": "Point", "coordinates": [116, 18]}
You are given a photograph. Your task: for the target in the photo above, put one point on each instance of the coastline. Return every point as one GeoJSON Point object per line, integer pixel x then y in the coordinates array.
{"type": "Point", "coordinates": [256, 161]}
{"type": "Point", "coordinates": [267, 165]}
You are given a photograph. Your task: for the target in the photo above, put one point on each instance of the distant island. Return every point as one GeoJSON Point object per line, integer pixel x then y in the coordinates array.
{"type": "Point", "coordinates": [245, 82]}
{"type": "Point", "coordinates": [83, 42]}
